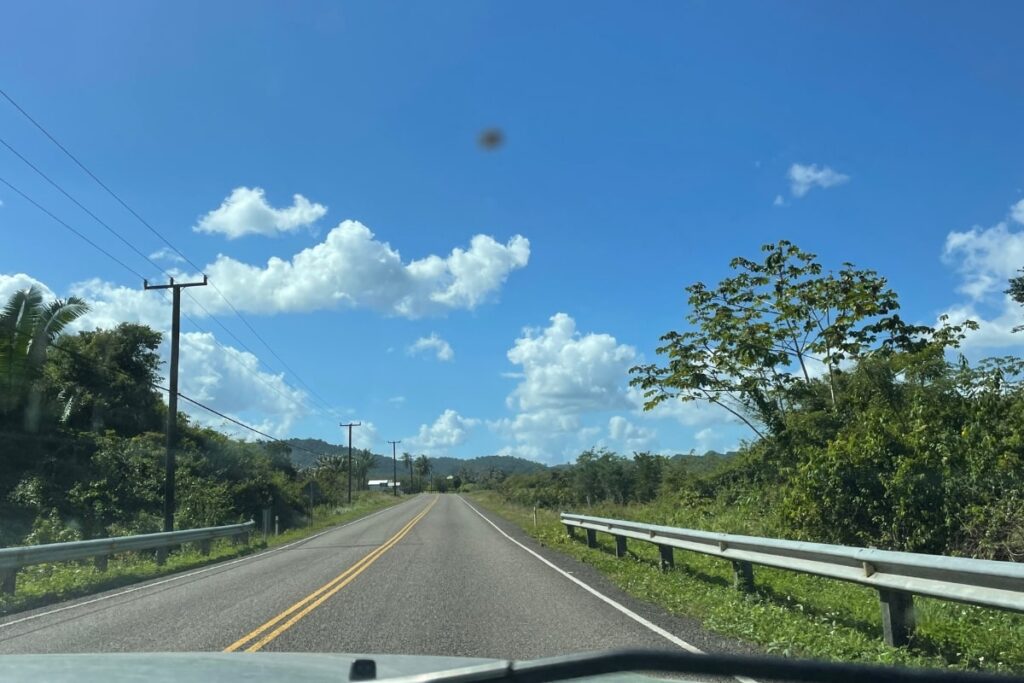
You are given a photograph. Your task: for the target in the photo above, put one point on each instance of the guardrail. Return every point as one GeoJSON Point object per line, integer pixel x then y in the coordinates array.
{"type": "Point", "coordinates": [100, 549]}
{"type": "Point", "coordinates": [897, 576]}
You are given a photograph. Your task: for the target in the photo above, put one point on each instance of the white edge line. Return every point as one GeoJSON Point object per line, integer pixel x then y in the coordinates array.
{"type": "Point", "coordinates": [675, 640]}
{"type": "Point", "coordinates": [216, 565]}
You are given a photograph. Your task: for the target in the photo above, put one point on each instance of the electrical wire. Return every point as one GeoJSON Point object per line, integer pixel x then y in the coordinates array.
{"type": "Point", "coordinates": [156, 232]}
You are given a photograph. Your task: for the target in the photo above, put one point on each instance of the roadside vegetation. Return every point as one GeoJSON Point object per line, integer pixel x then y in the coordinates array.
{"type": "Point", "coordinates": [45, 584]}
{"type": "Point", "coordinates": [864, 429]}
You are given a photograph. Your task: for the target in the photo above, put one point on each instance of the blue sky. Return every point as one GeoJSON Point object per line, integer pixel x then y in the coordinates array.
{"type": "Point", "coordinates": [644, 149]}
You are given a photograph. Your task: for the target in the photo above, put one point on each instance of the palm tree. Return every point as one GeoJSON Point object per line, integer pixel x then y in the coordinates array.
{"type": "Point", "coordinates": [332, 467]}
{"type": "Point", "coordinates": [361, 464]}
{"type": "Point", "coordinates": [423, 467]}
{"type": "Point", "coordinates": [407, 461]}
{"type": "Point", "coordinates": [27, 328]}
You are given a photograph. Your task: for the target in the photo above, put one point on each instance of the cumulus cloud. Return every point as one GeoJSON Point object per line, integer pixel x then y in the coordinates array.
{"type": "Point", "coordinates": [227, 379]}
{"type": "Point", "coordinates": [351, 268]}
{"type": "Point", "coordinates": [449, 430]}
{"type": "Point", "coordinates": [985, 259]}
{"type": "Point", "coordinates": [246, 212]}
{"type": "Point", "coordinates": [686, 413]}
{"type": "Point", "coordinates": [563, 375]}
{"type": "Point", "coordinates": [566, 370]}
{"type": "Point", "coordinates": [232, 382]}
{"type": "Point", "coordinates": [432, 344]}
{"type": "Point", "coordinates": [166, 254]}
{"type": "Point", "coordinates": [629, 436]}
{"type": "Point", "coordinates": [778, 201]}
{"type": "Point", "coordinates": [15, 282]}
{"type": "Point", "coordinates": [802, 179]}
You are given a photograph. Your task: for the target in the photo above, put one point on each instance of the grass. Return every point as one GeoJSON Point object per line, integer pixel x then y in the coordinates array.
{"type": "Point", "coordinates": [790, 614]}
{"type": "Point", "coordinates": [45, 584]}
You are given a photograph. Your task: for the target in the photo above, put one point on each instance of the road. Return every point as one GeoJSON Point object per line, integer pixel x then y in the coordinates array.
{"type": "Point", "coordinates": [432, 575]}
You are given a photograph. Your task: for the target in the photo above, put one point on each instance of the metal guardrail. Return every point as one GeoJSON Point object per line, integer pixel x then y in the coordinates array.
{"type": "Point", "coordinates": [13, 559]}
{"type": "Point", "coordinates": [897, 576]}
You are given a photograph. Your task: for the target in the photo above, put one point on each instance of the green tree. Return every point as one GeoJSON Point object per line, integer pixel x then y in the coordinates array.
{"type": "Point", "coordinates": [760, 336]}
{"type": "Point", "coordinates": [27, 328]}
{"type": "Point", "coordinates": [407, 460]}
{"type": "Point", "coordinates": [361, 465]}
{"type": "Point", "coordinates": [423, 467]}
{"type": "Point", "coordinates": [104, 379]}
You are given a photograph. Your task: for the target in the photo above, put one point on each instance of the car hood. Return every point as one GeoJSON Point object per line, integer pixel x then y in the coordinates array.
{"type": "Point", "coordinates": [220, 666]}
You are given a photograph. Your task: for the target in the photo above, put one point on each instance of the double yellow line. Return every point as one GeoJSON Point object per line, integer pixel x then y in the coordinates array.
{"type": "Point", "coordinates": [273, 628]}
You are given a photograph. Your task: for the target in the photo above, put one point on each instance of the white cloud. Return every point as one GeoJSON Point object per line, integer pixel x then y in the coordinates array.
{"type": "Point", "coordinates": [1017, 211]}
{"type": "Point", "coordinates": [350, 268]}
{"type": "Point", "coordinates": [227, 379]}
{"type": "Point", "coordinates": [449, 430]}
{"type": "Point", "coordinates": [166, 254]}
{"type": "Point", "coordinates": [9, 284]}
{"type": "Point", "coordinates": [709, 439]}
{"type": "Point", "coordinates": [564, 376]}
{"type": "Point", "coordinates": [441, 349]}
{"type": "Point", "coordinates": [569, 371]}
{"type": "Point", "coordinates": [803, 178]}
{"type": "Point", "coordinates": [246, 212]}
{"type": "Point", "coordinates": [686, 413]}
{"type": "Point", "coordinates": [986, 258]}
{"type": "Point", "coordinates": [232, 382]}
{"type": "Point", "coordinates": [397, 400]}
{"type": "Point", "coordinates": [628, 435]}
{"type": "Point", "coordinates": [779, 201]}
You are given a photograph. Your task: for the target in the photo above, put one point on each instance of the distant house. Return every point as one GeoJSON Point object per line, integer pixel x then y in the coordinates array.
{"type": "Point", "coordinates": [383, 485]}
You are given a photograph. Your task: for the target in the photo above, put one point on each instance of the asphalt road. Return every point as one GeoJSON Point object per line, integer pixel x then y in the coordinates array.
{"type": "Point", "coordinates": [428, 576]}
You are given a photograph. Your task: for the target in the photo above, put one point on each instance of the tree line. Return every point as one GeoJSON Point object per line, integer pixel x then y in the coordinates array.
{"type": "Point", "coordinates": [865, 429]}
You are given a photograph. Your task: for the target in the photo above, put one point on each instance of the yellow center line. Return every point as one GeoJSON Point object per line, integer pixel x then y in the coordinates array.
{"type": "Point", "coordinates": [317, 597]}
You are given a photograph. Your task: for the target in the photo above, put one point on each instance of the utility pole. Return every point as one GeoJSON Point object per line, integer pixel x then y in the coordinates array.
{"type": "Point", "coordinates": [350, 425]}
{"type": "Point", "coordinates": [172, 395]}
{"type": "Point", "coordinates": [394, 460]}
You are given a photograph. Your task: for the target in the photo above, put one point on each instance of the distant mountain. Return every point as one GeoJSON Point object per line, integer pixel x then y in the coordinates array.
{"type": "Point", "coordinates": [305, 452]}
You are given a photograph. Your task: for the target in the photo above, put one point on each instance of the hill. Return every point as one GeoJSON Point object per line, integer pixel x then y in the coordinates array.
{"type": "Point", "coordinates": [441, 466]}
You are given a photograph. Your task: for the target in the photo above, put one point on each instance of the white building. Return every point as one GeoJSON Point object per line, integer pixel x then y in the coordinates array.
{"type": "Point", "coordinates": [383, 485]}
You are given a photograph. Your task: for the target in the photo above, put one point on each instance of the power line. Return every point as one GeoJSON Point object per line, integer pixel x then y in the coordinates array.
{"type": "Point", "coordinates": [76, 232]}
{"type": "Point", "coordinates": [159, 235]}
{"type": "Point", "coordinates": [79, 204]}
{"type": "Point", "coordinates": [93, 176]}
{"type": "Point", "coordinates": [142, 277]}
{"type": "Point", "coordinates": [191, 400]}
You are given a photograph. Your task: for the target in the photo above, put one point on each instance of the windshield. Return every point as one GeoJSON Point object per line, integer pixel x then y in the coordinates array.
{"type": "Point", "coordinates": [513, 331]}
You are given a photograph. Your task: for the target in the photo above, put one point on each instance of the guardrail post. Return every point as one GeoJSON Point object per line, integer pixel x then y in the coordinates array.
{"type": "Point", "coordinates": [161, 556]}
{"type": "Point", "coordinates": [8, 581]}
{"type": "Point", "coordinates": [204, 547]}
{"type": "Point", "coordinates": [897, 616]}
{"type": "Point", "coordinates": [591, 538]}
{"type": "Point", "coordinates": [668, 559]}
{"type": "Point", "coordinates": [571, 530]}
{"type": "Point", "coordinates": [100, 562]}
{"type": "Point", "coordinates": [743, 576]}
{"type": "Point", "coordinates": [620, 546]}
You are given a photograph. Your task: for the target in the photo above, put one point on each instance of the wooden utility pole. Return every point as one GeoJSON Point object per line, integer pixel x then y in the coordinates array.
{"type": "Point", "coordinates": [350, 425]}
{"type": "Point", "coordinates": [172, 395]}
{"type": "Point", "coordinates": [394, 460]}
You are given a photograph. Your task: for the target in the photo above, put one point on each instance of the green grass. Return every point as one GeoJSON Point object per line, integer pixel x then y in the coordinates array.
{"type": "Point", "coordinates": [790, 614]}
{"type": "Point", "coordinates": [45, 584]}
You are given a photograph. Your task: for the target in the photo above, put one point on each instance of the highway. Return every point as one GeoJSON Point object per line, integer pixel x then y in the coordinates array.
{"type": "Point", "coordinates": [433, 575]}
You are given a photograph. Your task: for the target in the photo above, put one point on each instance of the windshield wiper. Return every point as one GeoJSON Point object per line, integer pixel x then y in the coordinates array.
{"type": "Point", "coordinates": [583, 665]}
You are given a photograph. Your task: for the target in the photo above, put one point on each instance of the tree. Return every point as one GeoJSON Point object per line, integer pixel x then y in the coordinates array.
{"type": "Point", "coordinates": [104, 380]}
{"type": "Point", "coordinates": [331, 469]}
{"type": "Point", "coordinates": [361, 465]}
{"type": "Point", "coordinates": [761, 336]}
{"type": "Point", "coordinates": [27, 328]}
{"type": "Point", "coordinates": [407, 460]}
{"type": "Point", "coordinates": [423, 467]}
